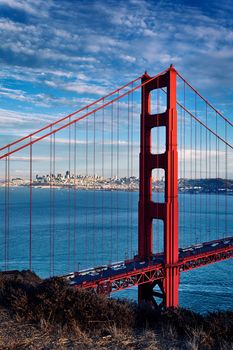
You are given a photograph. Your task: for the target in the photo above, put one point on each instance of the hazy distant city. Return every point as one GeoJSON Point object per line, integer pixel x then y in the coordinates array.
{"type": "Point", "coordinates": [87, 182]}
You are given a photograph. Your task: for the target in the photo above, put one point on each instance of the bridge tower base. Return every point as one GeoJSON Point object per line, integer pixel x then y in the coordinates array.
{"type": "Point", "coordinates": [149, 210]}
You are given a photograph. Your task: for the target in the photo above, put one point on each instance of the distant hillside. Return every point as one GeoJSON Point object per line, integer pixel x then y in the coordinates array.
{"type": "Point", "coordinates": [205, 186]}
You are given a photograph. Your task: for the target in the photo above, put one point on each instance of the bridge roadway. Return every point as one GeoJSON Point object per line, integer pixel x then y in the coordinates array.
{"type": "Point", "coordinates": [121, 275]}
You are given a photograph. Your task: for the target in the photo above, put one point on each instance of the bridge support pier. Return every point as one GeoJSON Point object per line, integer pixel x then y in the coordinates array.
{"type": "Point", "coordinates": [148, 294]}
{"type": "Point", "coordinates": [149, 210]}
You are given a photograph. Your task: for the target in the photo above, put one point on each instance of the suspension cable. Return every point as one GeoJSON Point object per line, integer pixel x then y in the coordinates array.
{"type": "Point", "coordinates": [80, 118]}
{"type": "Point", "coordinates": [205, 100]}
{"type": "Point", "coordinates": [70, 115]}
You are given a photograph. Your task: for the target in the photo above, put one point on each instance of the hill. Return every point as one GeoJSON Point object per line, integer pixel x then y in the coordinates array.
{"type": "Point", "coordinates": [48, 314]}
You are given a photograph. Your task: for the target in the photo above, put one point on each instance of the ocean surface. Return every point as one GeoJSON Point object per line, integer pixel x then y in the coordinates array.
{"type": "Point", "coordinates": [74, 230]}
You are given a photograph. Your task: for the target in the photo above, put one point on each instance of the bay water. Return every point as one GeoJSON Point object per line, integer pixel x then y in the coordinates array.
{"type": "Point", "coordinates": [74, 230]}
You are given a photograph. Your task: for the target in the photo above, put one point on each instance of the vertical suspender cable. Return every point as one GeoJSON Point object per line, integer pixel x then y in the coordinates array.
{"type": "Point", "coordinates": [111, 194]}
{"type": "Point", "coordinates": [5, 212]}
{"type": "Point", "coordinates": [210, 156]}
{"type": "Point", "coordinates": [184, 131]}
{"type": "Point", "coordinates": [94, 199]}
{"type": "Point", "coordinates": [75, 193]}
{"type": "Point", "coordinates": [217, 178]}
{"type": "Point", "coordinates": [30, 218]}
{"type": "Point", "coordinates": [69, 201]}
{"type": "Point", "coordinates": [128, 179]}
{"type": "Point", "coordinates": [226, 176]}
{"type": "Point", "coordinates": [180, 117]}
{"type": "Point", "coordinates": [158, 151]}
{"type": "Point", "coordinates": [206, 175]}
{"type": "Point", "coordinates": [218, 175]}
{"type": "Point", "coordinates": [191, 181]}
{"type": "Point", "coordinates": [54, 177]}
{"type": "Point", "coordinates": [181, 167]}
{"type": "Point", "coordinates": [200, 197]}
{"type": "Point", "coordinates": [86, 233]}
{"type": "Point", "coordinates": [50, 204]}
{"type": "Point", "coordinates": [131, 194]}
{"type": "Point", "coordinates": [8, 213]}
{"type": "Point", "coordinates": [103, 192]}
{"type": "Point", "coordinates": [195, 170]}
{"type": "Point", "coordinates": [117, 194]}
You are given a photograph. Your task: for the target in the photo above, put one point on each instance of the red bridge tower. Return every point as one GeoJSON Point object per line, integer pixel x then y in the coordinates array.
{"type": "Point", "coordinates": [167, 211]}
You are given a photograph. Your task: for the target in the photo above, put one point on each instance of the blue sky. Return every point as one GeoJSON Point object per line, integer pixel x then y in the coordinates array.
{"type": "Point", "coordinates": [56, 56]}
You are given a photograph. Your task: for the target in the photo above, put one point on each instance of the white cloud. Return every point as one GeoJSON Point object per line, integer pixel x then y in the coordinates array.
{"type": "Point", "coordinates": [37, 8]}
{"type": "Point", "coordinates": [107, 142]}
{"type": "Point", "coordinates": [128, 58]}
{"type": "Point", "coordinates": [8, 25]}
{"type": "Point", "coordinates": [188, 154]}
{"type": "Point", "coordinates": [18, 119]}
{"type": "Point", "coordinates": [48, 53]}
{"type": "Point", "coordinates": [40, 99]}
{"type": "Point", "coordinates": [86, 88]}
{"type": "Point", "coordinates": [35, 158]}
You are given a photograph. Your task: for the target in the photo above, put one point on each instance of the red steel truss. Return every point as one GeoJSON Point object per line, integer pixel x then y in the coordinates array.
{"type": "Point", "coordinates": [156, 274]}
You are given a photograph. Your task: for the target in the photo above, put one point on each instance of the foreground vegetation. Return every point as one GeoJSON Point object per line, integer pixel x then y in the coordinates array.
{"type": "Point", "coordinates": [48, 314]}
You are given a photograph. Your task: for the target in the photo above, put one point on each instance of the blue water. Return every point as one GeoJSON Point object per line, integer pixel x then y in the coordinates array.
{"type": "Point", "coordinates": [88, 228]}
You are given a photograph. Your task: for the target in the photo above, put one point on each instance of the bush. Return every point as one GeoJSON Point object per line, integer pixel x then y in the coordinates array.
{"type": "Point", "coordinates": [53, 301]}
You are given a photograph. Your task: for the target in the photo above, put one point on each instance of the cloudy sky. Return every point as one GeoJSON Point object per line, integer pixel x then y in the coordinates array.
{"type": "Point", "coordinates": [56, 56]}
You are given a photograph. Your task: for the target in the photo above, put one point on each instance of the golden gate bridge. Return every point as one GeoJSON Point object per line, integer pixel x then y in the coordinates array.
{"type": "Point", "coordinates": [150, 131]}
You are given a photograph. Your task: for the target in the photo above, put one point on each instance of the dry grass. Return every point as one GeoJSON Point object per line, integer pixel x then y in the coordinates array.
{"type": "Point", "coordinates": [53, 302]}
{"type": "Point", "coordinates": [48, 314]}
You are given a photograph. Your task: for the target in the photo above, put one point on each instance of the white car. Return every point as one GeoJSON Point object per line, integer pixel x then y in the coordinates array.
{"type": "Point", "coordinates": [119, 267]}
{"type": "Point", "coordinates": [226, 242]}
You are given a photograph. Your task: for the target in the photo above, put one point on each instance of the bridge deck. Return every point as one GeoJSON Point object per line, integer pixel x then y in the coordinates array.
{"type": "Point", "coordinates": [125, 274]}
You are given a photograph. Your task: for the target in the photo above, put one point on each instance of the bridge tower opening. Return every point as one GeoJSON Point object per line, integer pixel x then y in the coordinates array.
{"type": "Point", "coordinates": [149, 210]}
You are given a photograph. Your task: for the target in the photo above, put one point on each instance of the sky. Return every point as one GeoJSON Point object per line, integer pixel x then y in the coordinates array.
{"type": "Point", "coordinates": [56, 56]}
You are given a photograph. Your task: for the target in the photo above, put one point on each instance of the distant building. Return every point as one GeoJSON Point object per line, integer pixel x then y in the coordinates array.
{"type": "Point", "coordinates": [60, 177]}
{"type": "Point", "coordinates": [67, 175]}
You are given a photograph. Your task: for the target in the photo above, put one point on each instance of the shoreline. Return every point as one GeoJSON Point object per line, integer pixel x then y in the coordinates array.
{"type": "Point", "coordinates": [108, 189]}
